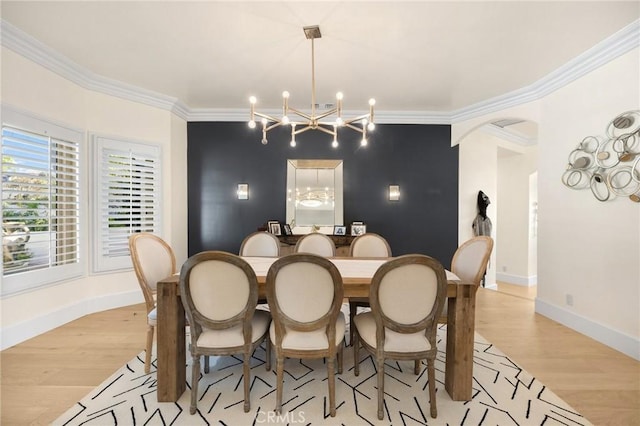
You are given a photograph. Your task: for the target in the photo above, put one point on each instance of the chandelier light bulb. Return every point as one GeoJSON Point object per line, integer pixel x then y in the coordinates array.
{"type": "Point", "coordinates": [371, 126]}
{"type": "Point", "coordinates": [252, 124]}
{"type": "Point", "coordinates": [292, 143]}
{"type": "Point", "coordinates": [364, 122]}
{"type": "Point", "coordinates": [264, 121]}
{"type": "Point", "coordinates": [339, 121]}
{"type": "Point", "coordinates": [339, 96]}
{"type": "Point", "coordinates": [372, 102]}
{"type": "Point", "coordinates": [363, 142]}
{"type": "Point", "coordinates": [285, 119]}
{"type": "Point", "coordinates": [334, 143]}
{"type": "Point", "coordinates": [252, 100]}
{"type": "Point", "coordinates": [264, 141]}
{"type": "Point", "coordinates": [285, 94]}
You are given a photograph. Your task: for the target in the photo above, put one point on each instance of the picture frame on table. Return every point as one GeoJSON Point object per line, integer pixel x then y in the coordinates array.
{"type": "Point", "coordinates": [339, 230]}
{"type": "Point", "coordinates": [358, 228]}
{"type": "Point", "coordinates": [287, 229]}
{"type": "Point", "coordinates": [274, 227]}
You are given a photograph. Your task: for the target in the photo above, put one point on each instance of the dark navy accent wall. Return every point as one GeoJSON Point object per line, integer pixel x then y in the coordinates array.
{"type": "Point", "coordinates": [419, 158]}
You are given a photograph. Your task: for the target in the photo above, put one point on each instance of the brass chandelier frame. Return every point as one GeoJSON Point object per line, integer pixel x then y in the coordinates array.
{"type": "Point", "coordinates": [312, 121]}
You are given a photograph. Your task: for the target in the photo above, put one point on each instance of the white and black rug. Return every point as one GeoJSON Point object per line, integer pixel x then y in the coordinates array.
{"type": "Point", "coordinates": [503, 394]}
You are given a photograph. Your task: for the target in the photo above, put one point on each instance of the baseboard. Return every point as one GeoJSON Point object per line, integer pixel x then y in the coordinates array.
{"type": "Point", "coordinates": [18, 333]}
{"type": "Point", "coordinates": [622, 342]}
{"type": "Point", "coordinates": [529, 281]}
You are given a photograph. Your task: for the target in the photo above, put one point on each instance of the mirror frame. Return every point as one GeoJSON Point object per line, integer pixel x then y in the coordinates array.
{"type": "Point", "coordinates": [338, 210]}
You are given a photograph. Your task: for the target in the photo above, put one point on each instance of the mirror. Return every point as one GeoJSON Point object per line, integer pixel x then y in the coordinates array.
{"type": "Point", "coordinates": [314, 195]}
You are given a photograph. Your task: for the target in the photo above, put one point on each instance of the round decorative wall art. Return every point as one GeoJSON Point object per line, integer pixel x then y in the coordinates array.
{"type": "Point", "coordinates": [608, 165]}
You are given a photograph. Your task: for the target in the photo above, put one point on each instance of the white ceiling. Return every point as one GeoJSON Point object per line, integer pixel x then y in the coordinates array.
{"type": "Point", "coordinates": [410, 56]}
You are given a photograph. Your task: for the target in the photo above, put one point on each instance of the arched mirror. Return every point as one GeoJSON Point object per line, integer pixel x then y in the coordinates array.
{"type": "Point", "coordinates": [314, 195]}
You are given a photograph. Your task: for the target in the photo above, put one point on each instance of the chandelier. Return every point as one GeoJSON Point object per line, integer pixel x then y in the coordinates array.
{"type": "Point", "coordinates": [328, 121]}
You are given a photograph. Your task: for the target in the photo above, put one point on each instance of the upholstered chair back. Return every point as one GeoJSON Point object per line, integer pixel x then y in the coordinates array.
{"type": "Point", "coordinates": [316, 243]}
{"type": "Point", "coordinates": [219, 290]}
{"type": "Point", "coordinates": [470, 260]}
{"type": "Point", "coordinates": [369, 245]}
{"type": "Point", "coordinates": [153, 259]}
{"type": "Point", "coordinates": [409, 291]}
{"type": "Point", "coordinates": [260, 244]}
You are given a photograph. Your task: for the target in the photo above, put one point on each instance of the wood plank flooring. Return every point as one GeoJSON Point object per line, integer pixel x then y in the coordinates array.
{"type": "Point", "coordinates": [44, 376]}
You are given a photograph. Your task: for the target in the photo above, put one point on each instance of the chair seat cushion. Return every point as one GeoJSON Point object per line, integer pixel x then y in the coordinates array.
{"type": "Point", "coordinates": [152, 317]}
{"type": "Point", "coordinates": [312, 340]}
{"type": "Point", "coordinates": [394, 341]}
{"type": "Point", "coordinates": [232, 337]}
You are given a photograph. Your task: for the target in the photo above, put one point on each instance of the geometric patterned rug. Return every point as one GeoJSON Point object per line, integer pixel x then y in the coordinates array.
{"type": "Point", "coordinates": [503, 394]}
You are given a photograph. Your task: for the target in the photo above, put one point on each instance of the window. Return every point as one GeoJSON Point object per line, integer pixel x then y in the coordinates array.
{"type": "Point", "coordinates": [126, 182]}
{"type": "Point", "coordinates": [40, 202]}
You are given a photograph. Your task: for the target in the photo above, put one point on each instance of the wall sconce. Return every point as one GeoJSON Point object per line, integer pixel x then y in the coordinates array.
{"type": "Point", "coordinates": [394, 192]}
{"type": "Point", "coordinates": [243, 191]}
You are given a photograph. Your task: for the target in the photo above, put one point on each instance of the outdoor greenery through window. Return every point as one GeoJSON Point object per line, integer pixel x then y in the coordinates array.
{"type": "Point", "coordinates": [40, 202]}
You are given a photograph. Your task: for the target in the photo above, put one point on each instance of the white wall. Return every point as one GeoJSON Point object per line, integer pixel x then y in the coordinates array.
{"type": "Point", "coordinates": [587, 249]}
{"type": "Point", "coordinates": [512, 247]}
{"type": "Point", "coordinates": [478, 165]}
{"type": "Point", "coordinates": [30, 87]}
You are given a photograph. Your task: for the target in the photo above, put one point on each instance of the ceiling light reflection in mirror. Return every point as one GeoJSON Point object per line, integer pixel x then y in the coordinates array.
{"type": "Point", "coordinates": [314, 193]}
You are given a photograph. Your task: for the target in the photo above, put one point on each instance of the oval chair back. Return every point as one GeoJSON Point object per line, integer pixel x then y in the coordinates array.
{"type": "Point", "coordinates": [316, 243]}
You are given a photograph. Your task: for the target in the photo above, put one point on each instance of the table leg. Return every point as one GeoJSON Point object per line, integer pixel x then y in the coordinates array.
{"type": "Point", "coordinates": [171, 363]}
{"type": "Point", "coordinates": [460, 332]}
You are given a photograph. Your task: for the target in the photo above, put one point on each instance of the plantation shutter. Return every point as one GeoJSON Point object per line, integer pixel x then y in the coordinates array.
{"type": "Point", "coordinates": [40, 203]}
{"type": "Point", "coordinates": [127, 198]}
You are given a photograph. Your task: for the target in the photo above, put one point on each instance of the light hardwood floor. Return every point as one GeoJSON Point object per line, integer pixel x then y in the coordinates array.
{"type": "Point", "coordinates": [44, 376]}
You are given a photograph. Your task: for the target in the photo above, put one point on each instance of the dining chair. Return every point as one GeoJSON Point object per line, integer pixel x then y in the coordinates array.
{"type": "Point", "coordinates": [219, 292]}
{"type": "Point", "coordinates": [469, 263]}
{"type": "Point", "coordinates": [407, 295]}
{"type": "Point", "coordinates": [316, 243]}
{"type": "Point", "coordinates": [153, 259]}
{"type": "Point", "coordinates": [365, 245]}
{"type": "Point", "coordinates": [259, 244]}
{"type": "Point", "coordinates": [305, 295]}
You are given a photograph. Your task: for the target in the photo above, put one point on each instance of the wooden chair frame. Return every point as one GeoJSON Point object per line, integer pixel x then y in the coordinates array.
{"type": "Point", "coordinates": [326, 322]}
{"type": "Point", "coordinates": [148, 292]}
{"type": "Point", "coordinates": [429, 324]}
{"type": "Point", "coordinates": [243, 318]}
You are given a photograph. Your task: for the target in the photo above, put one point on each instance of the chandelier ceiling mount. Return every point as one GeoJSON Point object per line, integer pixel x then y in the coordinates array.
{"type": "Point", "coordinates": [328, 121]}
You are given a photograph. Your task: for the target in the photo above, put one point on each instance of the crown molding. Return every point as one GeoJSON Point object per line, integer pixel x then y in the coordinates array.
{"type": "Point", "coordinates": [508, 135]}
{"type": "Point", "coordinates": [619, 43]}
{"type": "Point", "coordinates": [607, 50]}
{"type": "Point", "coordinates": [36, 51]}
{"type": "Point", "coordinates": [382, 117]}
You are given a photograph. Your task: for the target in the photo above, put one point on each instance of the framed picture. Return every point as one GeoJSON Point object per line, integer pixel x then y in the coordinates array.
{"type": "Point", "coordinates": [339, 230]}
{"type": "Point", "coordinates": [358, 229]}
{"type": "Point", "coordinates": [274, 227]}
{"type": "Point", "coordinates": [287, 229]}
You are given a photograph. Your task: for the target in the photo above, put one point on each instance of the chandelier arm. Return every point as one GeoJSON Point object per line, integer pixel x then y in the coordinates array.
{"type": "Point", "coordinates": [326, 114]}
{"type": "Point", "coordinates": [356, 128]}
{"type": "Point", "coordinates": [358, 118]}
{"type": "Point", "coordinates": [308, 127]}
{"type": "Point", "coordinates": [301, 114]}
{"type": "Point", "coordinates": [267, 116]}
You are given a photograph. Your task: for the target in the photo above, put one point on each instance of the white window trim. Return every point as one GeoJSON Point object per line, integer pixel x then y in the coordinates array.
{"type": "Point", "coordinates": [98, 142]}
{"type": "Point", "coordinates": [30, 280]}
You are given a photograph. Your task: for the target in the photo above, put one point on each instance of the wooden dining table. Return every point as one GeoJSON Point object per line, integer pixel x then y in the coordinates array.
{"type": "Point", "coordinates": [356, 277]}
